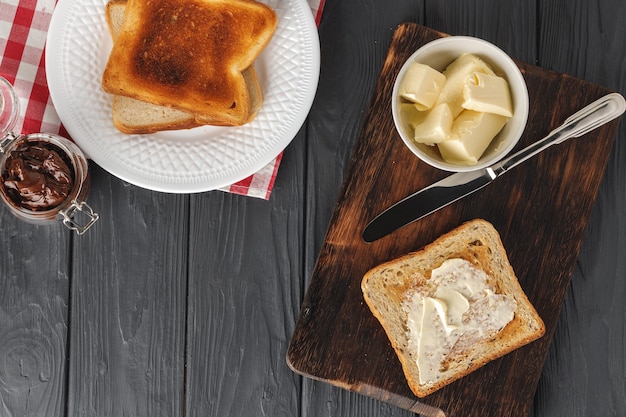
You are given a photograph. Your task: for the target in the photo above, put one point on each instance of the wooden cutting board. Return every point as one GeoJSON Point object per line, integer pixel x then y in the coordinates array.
{"type": "Point", "coordinates": [540, 209]}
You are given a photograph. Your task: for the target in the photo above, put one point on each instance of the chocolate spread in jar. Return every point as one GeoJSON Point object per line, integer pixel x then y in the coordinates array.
{"type": "Point", "coordinates": [37, 176]}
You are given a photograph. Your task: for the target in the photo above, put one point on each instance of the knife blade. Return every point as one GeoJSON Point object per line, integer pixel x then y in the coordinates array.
{"type": "Point", "coordinates": [456, 186]}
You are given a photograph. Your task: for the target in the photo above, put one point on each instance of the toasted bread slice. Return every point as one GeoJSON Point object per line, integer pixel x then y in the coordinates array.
{"type": "Point", "coordinates": [139, 117]}
{"type": "Point", "coordinates": [193, 55]}
{"type": "Point", "coordinates": [114, 13]}
{"type": "Point", "coordinates": [389, 288]}
{"type": "Point", "coordinates": [134, 116]}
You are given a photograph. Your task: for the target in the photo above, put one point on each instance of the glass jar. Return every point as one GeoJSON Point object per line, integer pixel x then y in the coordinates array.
{"type": "Point", "coordinates": [44, 178]}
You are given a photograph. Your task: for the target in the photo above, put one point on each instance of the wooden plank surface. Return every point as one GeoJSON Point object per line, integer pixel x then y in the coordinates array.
{"type": "Point", "coordinates": [128, 304]}
{"type": "Point", "coordinates": [244, 255]}
{"type": "Point", "coordinates": [211, 328]}
{"type": "Point", "coordinates": [34, 285]}
{"type": "Point", "coordinates": [339, 341]}
{"type": "Point", "coordinates": [583, 39]}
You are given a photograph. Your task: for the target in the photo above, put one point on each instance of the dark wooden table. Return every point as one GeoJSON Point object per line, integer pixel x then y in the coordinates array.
{"type": "Point", "coordinates": [184, 305]}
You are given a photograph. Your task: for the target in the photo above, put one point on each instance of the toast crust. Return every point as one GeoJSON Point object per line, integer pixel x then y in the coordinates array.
{"type": "Point", "coordinates": [192, 55]}
{"type": "Point", "coordinates": [387, 287]}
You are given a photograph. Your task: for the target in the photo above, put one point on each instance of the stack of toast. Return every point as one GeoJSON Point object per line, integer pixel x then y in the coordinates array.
{"type": "Point", "coordinates": [179, 64]}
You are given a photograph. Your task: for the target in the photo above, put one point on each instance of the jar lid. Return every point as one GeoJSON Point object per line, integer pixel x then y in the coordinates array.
{"type": "Point", "coordinates": [9, 107]}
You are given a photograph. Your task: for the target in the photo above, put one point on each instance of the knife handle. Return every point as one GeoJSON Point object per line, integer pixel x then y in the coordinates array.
{"type": "Point", "coordinates": [592, 116]}
{"type": "Point", "coordinates": [583, 121]}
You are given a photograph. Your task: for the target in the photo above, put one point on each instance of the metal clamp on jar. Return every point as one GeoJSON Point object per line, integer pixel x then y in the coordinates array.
{"type": "Point", "coordinates": [44, 177]}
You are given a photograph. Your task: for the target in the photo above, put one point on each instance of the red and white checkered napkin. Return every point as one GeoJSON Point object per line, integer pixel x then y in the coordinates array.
{"type": "Point", "coordinates": [23, 31]}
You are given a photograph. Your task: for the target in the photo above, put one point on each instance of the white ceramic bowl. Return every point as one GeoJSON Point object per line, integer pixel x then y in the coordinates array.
{"type": "Point", "coordinates": [439, 54]}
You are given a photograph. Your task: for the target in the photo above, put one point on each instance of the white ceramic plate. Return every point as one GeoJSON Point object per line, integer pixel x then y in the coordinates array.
{"type": "Point", "coordinates": [182, 161]}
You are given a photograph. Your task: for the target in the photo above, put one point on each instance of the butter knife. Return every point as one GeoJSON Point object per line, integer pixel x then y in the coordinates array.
{"type": "Point", "coordinates": [456, 186]}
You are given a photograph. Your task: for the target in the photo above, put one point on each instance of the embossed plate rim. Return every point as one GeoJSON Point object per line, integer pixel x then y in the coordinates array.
{"type": "Point", "coordinates": [78, 44]}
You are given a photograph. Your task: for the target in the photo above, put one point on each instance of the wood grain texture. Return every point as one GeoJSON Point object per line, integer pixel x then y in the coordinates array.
{"type": "Point", "coordinates": [34, 283]}
{"type": "Point", "coordinates": [128, 304]}
{"type": "Point", "coordinates": [336, 340]}
{"type": "Point", "coordinates": [178, 305]}
{"type": "Point", "coordinates": [510, 25]}
{"type": "Point", "coordinates": [586, 40]}
{"type": "Point", "coordinates": [244, 289]}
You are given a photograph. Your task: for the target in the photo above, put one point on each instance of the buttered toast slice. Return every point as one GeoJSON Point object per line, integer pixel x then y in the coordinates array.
{"type": "Point", "coordinates": [451, 307]}
{"type": "Point", "coordinates": [192, 55]}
